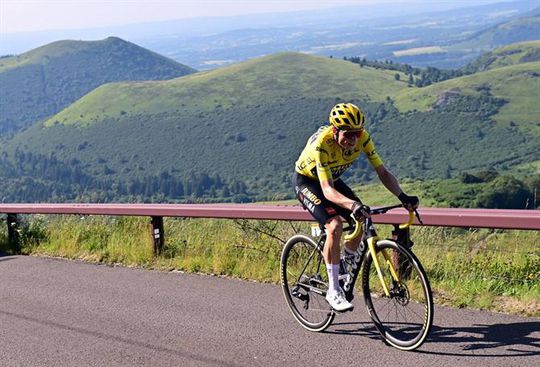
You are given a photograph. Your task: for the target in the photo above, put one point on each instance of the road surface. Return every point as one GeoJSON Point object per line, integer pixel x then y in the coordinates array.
{"type": "Point", "coordinates": [56, 312]}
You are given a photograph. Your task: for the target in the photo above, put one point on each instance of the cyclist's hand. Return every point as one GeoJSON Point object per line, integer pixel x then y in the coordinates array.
{"type": "Point", "coordinates": [360, 210]}
{"type": "Point", "coordinates": [409, 202]}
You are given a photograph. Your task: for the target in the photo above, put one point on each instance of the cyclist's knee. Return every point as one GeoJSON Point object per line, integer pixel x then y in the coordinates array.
{"type": "Point", "coordinates": [334, 226]}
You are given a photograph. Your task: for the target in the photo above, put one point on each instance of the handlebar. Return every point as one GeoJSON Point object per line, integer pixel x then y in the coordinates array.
{"type": "Point", "coordinates": [358, 228]}
{"type": "Point", "coordinates": [409, 222]}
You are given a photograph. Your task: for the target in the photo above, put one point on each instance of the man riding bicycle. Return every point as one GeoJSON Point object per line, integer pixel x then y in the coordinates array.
{"type": "Point", "coordinates": [328, 153]}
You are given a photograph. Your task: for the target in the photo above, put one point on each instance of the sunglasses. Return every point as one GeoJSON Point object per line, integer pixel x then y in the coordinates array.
{"type": "Point", "coordinates": [352, 134]}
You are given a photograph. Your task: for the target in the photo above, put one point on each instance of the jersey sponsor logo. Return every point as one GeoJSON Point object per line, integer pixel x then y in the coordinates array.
{"type": "Point", "coordinates": [311, 196]}
{"type": "Point", "coordinates": [367, 141]}
{"type": "Point", "coordinates": [305, 201]}
{"type": "Point", "coordinates": [349, 153]}
{"type": "Point", "coordinates": [323, 158]}
{"type": "Point", "coordinates": [308, 205]}
{"type": "Point", "coordinates": [338, 171]}
{"type": "Point", "coordinates": [372, 153]}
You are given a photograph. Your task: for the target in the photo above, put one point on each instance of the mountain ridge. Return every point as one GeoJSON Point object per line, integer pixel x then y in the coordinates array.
{"type": "Point", "coordinates": [256, 75]}
{"type": "Point", "coordinates": [43, 81]}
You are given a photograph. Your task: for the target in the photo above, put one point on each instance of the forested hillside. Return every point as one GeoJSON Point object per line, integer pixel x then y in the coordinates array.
{"type": "Point", "coordinates": [43, 81]}
{"type": "Point", "coordinates": [233, 134]}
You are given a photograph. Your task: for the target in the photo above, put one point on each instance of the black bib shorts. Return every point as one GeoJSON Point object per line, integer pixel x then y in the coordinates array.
{"type": "Point", "coordinates": [310, 194]}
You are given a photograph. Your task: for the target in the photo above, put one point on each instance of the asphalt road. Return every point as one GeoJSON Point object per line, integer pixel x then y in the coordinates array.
{"type": "Point", "coordinates": [57, 312]}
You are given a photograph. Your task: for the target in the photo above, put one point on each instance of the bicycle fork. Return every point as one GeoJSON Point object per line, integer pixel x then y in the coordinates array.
{"type": "Point", "coordinates": [371, 241]}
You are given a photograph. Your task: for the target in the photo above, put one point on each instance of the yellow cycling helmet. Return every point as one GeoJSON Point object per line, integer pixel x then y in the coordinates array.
{"type": "Point", "coordinates": [347, 116]}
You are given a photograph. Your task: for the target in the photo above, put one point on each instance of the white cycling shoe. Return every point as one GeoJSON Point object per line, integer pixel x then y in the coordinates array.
{"type": "Point", "coordinates": [338, 301]}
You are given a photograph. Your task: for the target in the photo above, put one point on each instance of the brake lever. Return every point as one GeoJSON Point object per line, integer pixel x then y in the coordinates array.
{"type": "Point", "coordinates": [418, 216]}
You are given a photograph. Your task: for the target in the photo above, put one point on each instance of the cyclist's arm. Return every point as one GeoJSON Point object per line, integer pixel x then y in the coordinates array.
{"type": "Point", "coordinates": [388, 180]}
{"type": "Point", "coordinates": [335, 196]}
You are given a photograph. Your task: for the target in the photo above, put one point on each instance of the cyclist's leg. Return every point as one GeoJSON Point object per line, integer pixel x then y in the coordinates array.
{"type": "Point", "coordinates": [344, 189]}
{"type": "Point", "coordinates": [328, 214]}
{"type": "Point", "coordinates": [310, 194]}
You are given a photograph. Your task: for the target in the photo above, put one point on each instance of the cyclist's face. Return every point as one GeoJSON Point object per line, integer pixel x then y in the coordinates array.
{"type": "Point", "coordinates": [348, 139]}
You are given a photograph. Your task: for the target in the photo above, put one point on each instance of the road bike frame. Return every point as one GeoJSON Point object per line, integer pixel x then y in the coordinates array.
{"type": "Point", "coordinates": [366, 227]}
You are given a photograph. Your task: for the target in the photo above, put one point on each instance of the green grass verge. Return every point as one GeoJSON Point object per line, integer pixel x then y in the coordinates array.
{"type": "Point", "coordinates": [484, 269]}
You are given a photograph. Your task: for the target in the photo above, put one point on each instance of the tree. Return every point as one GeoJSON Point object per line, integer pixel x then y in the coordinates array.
{"type": "Point", "coordinates": [504, 192]}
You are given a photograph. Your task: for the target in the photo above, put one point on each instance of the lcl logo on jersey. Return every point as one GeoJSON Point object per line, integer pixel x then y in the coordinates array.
{"type": "Point", "coordinates": [348, 153]}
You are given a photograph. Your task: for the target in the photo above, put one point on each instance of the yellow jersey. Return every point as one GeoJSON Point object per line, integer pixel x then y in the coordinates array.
{"type": "Point", "coordinates": [323, 158]}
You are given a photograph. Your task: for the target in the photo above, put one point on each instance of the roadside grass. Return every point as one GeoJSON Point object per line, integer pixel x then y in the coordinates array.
{"type": "Point", "coordinates": [486, 269]}
{"type": "Point", "coordinates": [496, 270]}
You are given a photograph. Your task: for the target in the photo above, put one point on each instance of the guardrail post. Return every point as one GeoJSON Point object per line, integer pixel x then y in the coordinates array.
{"type": "Point", "coordinates": [13, 233]}
{"type": "Point", "coordinates": [158, 234]}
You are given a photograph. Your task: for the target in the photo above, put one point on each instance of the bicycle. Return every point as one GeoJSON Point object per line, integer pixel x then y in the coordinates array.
{"type": "Point", "coordinates": [395, 286]}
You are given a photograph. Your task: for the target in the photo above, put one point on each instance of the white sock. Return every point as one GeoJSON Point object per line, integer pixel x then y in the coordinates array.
{"type": "Point", "coordinates": [333, 278]}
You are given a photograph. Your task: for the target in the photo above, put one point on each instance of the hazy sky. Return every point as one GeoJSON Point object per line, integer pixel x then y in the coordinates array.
{"type": "Point", "coordinates": [33, 15]}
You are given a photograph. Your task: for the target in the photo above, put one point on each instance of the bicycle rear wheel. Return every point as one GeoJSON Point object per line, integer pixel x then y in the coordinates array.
{"type": "Point", "coordinates": [304, 281]}
{"type": "Point", "coordinates": [404, 318]}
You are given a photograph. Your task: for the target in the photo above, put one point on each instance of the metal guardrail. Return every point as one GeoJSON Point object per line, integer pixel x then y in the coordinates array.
{"type": "Point", "coordinates": [442, 217]}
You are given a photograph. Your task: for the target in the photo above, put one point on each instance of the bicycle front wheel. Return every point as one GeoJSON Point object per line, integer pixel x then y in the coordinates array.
{"type": "Point", "coordinates": [405, 315]}
{"type": "Point", "coordinates": [304, 281]}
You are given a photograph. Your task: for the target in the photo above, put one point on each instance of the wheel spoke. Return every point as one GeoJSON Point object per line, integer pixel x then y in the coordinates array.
{"type": "Point", "coordinates": [404, 318]}
{"type": "Point", "coordinates": [301, 268]}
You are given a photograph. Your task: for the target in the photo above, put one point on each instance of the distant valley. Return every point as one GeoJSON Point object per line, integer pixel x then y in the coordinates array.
{"type": "Point", "coordinates": [438, 34]}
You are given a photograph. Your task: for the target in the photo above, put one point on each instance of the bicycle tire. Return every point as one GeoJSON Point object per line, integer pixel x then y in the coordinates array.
{"type": "Point", "coordinates": [304, 283]}
{"type": "Point", "coordinates": [405, 318]}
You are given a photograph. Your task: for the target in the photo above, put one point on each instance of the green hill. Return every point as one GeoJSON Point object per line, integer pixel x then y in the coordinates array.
{"type": "Point", "coordinates": [243, 124]}
{"type": "Point", "coordinates": [41, 82]}
{"type": "Point", "coordinates": [275, 77]}
{"type": "Point", "coordinates": [510, 73]}
{"type": "Point", "coordinates": [519, 29]}
{"type": "Point", "coordinates": [504, 56]}
{"type": "Point", "coordinates": [234, 133]}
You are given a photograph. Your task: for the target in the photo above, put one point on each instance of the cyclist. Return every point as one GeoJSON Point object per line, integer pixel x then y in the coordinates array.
{"type": "Point", "coordinates": [328, 153]}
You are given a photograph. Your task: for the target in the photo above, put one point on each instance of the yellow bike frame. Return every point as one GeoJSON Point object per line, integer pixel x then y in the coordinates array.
{"type": "Point", "coordinates": [372, 241]}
